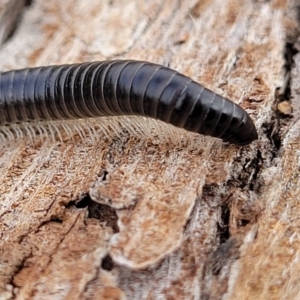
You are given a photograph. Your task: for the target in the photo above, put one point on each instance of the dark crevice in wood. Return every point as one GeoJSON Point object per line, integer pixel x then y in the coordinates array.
{"type": "Point", "coordinates": [107, 263]}
{"type": "Point", "coordinates": [256, 165]}
{"type": "Point", "coordinates": [81, 203]}
{"type": "Point", "coordinates": [103, 175]}
{"type": "Point", "coordinates": [226, 252]}
{"type": "Point", "coordinates": [28, 2]}
{"type": "Point", "coordinates": [55, 219]}
{"type": "Point", "coordinates": [279, 120]}
{"type": "Point", "coordinates": [212, 193]}
{"type": "Point", "coordinates": [271, 130]}
{"type": "Point", "coordinates": [104, 214]}
{"type": "Point", "coordinates": [223, 224]}
{"type": "Point", "coordinates": [246, 170]}
{"type": "Point", "coordinates": [289, 53]}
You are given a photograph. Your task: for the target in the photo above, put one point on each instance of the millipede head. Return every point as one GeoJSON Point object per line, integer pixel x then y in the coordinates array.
{"type": "Point", "coordinates": [244, 134]}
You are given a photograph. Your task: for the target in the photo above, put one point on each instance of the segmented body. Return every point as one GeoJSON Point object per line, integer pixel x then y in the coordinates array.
{"type": "Point", "coordinates": [121, 87]}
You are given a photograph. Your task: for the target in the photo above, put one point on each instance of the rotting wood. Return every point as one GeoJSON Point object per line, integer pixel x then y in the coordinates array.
{"type": "Point", "coordinates": [197, 219]}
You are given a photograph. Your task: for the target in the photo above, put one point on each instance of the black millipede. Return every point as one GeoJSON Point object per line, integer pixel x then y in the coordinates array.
{"type": "Point", "coordinates": [120, 87]}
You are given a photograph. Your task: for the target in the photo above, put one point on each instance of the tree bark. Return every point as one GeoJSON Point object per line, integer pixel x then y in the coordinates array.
{"type": "Point", "coordinates": [130, 208]}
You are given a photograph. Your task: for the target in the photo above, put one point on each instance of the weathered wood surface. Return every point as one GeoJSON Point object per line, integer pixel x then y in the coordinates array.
{"type": "Point", "coordinates": [182, 217]}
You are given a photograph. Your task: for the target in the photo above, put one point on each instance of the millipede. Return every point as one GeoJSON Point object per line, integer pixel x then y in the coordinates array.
{"type": "Point", "coordinates": [120, 88]}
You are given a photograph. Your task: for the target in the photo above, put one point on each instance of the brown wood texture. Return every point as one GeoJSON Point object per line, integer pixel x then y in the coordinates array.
{"type": "Point", "coordinates": [133, 209]}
